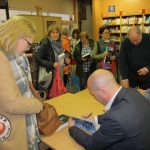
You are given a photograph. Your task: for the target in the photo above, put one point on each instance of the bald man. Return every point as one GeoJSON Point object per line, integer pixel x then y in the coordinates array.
{"type": "Point", "coordinates": [134, 61]}
{"type": "Point", "coordinates": [126, 123]}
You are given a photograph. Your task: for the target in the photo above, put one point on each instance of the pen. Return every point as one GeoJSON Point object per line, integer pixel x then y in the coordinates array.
{"type": "Point", "coordinates": [89, 115]}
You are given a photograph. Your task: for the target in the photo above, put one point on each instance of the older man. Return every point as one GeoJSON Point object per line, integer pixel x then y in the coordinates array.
{"type": "Point", "coordinates": [124, 126]}
{"type": "Point", "coordinates": [134, 59]}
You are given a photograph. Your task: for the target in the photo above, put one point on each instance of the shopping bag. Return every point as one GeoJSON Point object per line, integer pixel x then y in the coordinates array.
{"type": "Point", "coordinates": [44, 78]}
{"type": "Point", "coordinates": [73, 83]}
{"type": "Point", "coordinates": [58, 87]}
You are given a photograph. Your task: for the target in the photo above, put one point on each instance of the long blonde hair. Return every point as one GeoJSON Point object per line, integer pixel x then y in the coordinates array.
{"type": "Point", "coordinates": [11, 30]}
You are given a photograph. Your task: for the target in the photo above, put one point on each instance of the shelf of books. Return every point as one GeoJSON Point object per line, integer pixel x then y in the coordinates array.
{"type": "Point", "coordinates": [112, 21]}
{"type": "Point", "coordinates": [120, 22]}
{"type": "Point", "coordinates": [146, 20]}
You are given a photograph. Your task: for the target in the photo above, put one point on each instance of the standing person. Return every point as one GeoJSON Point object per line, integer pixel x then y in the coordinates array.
{"type": "Point", "coordinates": [100, 51]}
{"type": "Point", "coordinates": [65, 41]}
{"type": "Point", "coordinates": [48, 53]}
{"type": "Point", "coordinates": [74, 39]}
{"type": "Point", "coordinates": [134, 61]}
{"type": "Point", "coordinates": [83, 63]}
{"type": "Point", "coordinates": [18, 126]}
{"type": "Point", "coordinates": [124, 126]}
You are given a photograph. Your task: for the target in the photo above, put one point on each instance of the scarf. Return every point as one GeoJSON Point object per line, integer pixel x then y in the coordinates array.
{"type": "Point", "coordinates": [56, 46]}
{"type": "Point", "coordinates": [21, 70]}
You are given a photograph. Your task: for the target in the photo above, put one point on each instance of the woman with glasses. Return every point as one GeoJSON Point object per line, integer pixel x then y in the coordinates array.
{"type": "Point", "coordinates": [18, 108]}
{"type": "Point", "coordinates": [105, 51]}
{"type": "Point", "coordinates": [48, 53]}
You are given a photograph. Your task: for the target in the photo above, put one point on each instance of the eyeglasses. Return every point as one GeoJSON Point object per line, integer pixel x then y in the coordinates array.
{"type": "Point", "coordinates": [106, 32]}
{"type": "Point", "coordinates": [29, 44]}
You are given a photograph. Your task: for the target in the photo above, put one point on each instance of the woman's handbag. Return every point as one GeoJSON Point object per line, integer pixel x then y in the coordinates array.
{"type": "Point", "coordinates": [58, 87]}
{"type": "Point", "coordinates": [44, 78]}
{"type": "Point", "coordinates": [48, 120]}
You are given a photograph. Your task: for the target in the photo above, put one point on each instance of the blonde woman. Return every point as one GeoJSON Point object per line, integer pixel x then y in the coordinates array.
{"type": "Point", "coordinates": [50, 49]}
{"type": "Point", "coordinates": [18, 108]}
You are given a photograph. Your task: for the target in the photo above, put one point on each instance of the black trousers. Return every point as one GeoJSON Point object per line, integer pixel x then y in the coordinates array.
{"type": "Point", "coordinates": [139, 81]}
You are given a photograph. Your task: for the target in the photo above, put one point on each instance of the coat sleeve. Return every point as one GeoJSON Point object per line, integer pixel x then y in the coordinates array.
{"type": "Point", "coordinates": [95, 54]}
{"type": "Point", "coordinates": [123, 61]}
{"type": "Point", "coordinates": [109, 133]}
{"type": "Point", "coordinates": [41, 56]}
{"type": "Point", "coordinates": [76, 54]}
{"type": "Point", "coordinates": [11, 100]}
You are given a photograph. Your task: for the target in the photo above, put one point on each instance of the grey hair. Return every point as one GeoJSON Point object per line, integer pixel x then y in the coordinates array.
{"type": "Point", "coordinates": [138, 31]}
{"type": "Point", "coordinates": [65, 31]}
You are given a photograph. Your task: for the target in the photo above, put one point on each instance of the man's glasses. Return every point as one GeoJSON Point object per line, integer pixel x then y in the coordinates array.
{"type": "Point", "coordinates": [29, 44]}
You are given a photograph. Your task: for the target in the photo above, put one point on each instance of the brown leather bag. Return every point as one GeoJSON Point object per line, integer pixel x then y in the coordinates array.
{"type": "Point", "coordinates": [48, 120]}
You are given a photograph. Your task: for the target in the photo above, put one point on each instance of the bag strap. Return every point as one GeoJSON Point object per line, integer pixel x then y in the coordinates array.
{"type": "Point", "coordinates": [35, 93]}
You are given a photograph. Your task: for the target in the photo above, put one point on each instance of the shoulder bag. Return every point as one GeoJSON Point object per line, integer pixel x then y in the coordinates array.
{"type": "Point", "coordinates": [48, 120]}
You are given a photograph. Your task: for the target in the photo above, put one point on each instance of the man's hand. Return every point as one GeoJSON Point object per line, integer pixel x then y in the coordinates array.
{"type": "Point", "coordinates": [125, 83]}
{"type": "Point", "coordinates": [71, 122]}
{"type": "Point", "coordinates": [142, 71]}
{"type": "Point", "coordinates": [90, 118]}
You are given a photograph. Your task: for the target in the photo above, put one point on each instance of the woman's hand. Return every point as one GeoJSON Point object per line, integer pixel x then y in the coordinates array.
{"type": "Point", "coordinates": [105, 54]}
{"type": "Point", "coordinates": [55, 64]}
{"type": "Point", "coordinates": [113, 57]}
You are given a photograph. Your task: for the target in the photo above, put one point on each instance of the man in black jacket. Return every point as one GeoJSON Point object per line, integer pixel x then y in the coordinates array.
{"type": "Point", "coordinates": [124, 126]}
{"type": "Point", "coordinates": [134, 61]}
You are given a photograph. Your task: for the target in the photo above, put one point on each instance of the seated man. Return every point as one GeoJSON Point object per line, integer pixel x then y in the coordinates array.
{"type": "Point", "coordinates": [126, 123]}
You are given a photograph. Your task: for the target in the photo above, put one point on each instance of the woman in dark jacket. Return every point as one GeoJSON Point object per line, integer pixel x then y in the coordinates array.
{"type": "Point", "coordinates": [47, 54]}
{"type": "Point", "coordinates": [85, 46]}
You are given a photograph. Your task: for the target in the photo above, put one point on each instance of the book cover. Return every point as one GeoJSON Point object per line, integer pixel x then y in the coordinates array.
{"type": "Point", "coordinates": [85, 124]}
{"type": "Point", "coordinates": [107, 58]}
{"type": "Point", "coordinates": [64, 121]}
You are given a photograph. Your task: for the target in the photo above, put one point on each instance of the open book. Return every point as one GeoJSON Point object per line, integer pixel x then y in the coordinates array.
{"type": "Point", "coordinates": [87, 55]}
{"type": "Point", "coordinates": [85, 124]}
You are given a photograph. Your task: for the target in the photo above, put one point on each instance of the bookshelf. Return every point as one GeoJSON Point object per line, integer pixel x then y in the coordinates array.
{"type": "Point", "coordinates": [120, 22]}
{"type": "Point", "coordinates": [146, 21]}
{"type": "Point", "coordinates": [112, 21]}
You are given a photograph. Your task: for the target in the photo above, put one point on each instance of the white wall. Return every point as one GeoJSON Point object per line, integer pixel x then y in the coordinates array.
{"type": "Point", "coordinates": [54, 6]}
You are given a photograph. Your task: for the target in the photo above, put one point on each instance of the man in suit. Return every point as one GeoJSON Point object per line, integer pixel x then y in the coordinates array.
{"type": "Point", "coordinates": [126, 123]}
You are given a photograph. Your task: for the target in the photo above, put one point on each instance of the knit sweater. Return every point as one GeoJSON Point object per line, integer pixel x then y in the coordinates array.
{"type": "Point", "coordinates": [134, 57]}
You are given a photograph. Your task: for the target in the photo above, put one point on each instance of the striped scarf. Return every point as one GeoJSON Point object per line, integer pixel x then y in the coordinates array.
{"type": "Point", "coordinates": [21, 70]}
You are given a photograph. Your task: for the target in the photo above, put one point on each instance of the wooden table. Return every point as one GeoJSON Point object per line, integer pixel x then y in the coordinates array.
{"type": "Point", "coordinates": [72, 105]}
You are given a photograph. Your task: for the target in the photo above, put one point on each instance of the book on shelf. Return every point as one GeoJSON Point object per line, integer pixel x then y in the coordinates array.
{"type": "Point", "coordinates": [87, 55]}
{"type": "Point", "coordinates": [86, 125]}
{"type": "Point", "coordinates": [64, 121]}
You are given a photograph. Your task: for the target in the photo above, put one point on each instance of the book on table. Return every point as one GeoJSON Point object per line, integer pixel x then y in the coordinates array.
{"type": "Point", "coordinates": [64, 121]}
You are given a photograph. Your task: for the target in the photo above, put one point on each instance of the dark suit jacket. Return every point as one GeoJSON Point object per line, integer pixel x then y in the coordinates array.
{"type": "Point", "coordinates": [126, 126]}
